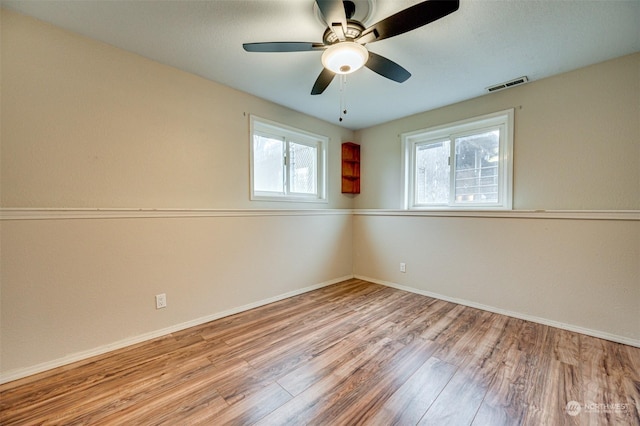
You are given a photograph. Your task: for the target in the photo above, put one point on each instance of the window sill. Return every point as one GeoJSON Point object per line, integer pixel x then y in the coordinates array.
{"type": "Point", "coordinates": [289, 199]}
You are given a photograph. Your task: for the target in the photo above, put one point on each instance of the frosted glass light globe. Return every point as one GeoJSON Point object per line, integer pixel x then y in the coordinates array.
{"type": "Point", "coordinates": [345, 57]}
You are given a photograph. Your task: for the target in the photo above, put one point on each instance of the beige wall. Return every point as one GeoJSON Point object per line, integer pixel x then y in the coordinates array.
{"type": "Point", "coordinates": [583, 275]}
{"type": "Point", "coordinates": [576, 147]}
{"type": "Point", "coordinates": [576, 141]}
{"type": "Point", "coordinates": [88, 125]}
{"type": "Point", "coordinates": [85, 125]}
{"type": "Point", "coordinates": [73, 285]}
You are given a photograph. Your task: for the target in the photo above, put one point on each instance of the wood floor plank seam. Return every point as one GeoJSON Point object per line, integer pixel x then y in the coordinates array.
{"type": "Point", "coordinates": [353, 353]}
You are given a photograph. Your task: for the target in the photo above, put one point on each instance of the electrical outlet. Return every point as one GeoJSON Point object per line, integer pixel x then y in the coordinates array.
{"type": "Point", "coordinates": [161, 301]}
{"type": "Point", "coordinates": [403, 267]}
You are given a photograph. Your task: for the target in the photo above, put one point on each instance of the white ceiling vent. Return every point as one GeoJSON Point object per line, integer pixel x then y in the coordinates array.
{"type": "Point", "coordinates": [507, 84]}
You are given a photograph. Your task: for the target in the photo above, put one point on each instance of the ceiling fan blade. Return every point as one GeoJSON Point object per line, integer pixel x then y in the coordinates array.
{"type": "Point", "coordinates": [387, 68]}
{"type": "Point", "coordinates": [334, 15]}
{"type": "Point", "coordinates": [283, 46]}
{"type": "Point", "coordinates": [322, 82]}
{"type": "Point", "coordinates": [409, 19]}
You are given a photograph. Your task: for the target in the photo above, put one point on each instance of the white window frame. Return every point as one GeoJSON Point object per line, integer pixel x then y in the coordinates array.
{"type": "Point", "coordinates": [289, 134]}
{"type": "Point", "coordinates": [502, 120]}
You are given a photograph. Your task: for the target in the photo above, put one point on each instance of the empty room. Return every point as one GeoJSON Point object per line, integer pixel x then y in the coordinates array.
{"type": "Point", "coordinates": [325, 212]}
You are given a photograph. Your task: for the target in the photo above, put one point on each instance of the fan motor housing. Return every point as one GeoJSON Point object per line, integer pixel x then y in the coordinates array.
{"type": "Point", "coordinates": [354, 29]}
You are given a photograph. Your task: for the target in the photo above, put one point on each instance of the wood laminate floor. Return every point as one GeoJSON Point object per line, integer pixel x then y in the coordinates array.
{"type": "Point", "coordinates": [350, 353]}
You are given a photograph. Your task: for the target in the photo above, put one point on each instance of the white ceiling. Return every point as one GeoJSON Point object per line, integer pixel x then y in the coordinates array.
{"type": "Point", "coordinates": [484, 43]}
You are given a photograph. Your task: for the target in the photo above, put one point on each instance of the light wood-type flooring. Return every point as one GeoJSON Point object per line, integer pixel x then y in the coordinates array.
{"type": "Point", "coordinates": [346, 354]}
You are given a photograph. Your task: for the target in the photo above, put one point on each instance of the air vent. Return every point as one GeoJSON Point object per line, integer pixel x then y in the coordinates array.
{"type": "Point", "coordinates": [506, 85]}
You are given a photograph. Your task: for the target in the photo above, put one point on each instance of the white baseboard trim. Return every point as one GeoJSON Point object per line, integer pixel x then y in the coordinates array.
{"type": "Point", "coordinates": [569, 327]}
{"type": "Point", "coordinates": [20, 373]}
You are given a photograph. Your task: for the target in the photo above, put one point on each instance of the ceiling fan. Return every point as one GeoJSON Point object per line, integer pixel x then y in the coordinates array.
{"type": "Point", "coordinates": [344, 39]}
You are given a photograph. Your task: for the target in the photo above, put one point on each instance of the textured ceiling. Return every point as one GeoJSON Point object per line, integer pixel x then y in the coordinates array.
{"type": "Point", "coordinates": [484, 43]}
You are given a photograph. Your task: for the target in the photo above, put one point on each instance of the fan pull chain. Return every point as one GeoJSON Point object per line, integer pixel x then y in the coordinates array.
{"type": "Point", "coordinates": [343, 101]}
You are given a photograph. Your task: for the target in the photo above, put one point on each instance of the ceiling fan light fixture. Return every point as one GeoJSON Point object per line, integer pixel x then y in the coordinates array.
{"type": "Point", "coordinates": [345, 57]}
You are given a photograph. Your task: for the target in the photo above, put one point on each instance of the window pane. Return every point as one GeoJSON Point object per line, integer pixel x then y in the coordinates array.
{"type": "Point", "coordinates": [302, 168]}
{"type": "Point", "coordinates": [268, 164]}
{"type": "Point", "coordinates": [479, 173]}
{"type": "Point", "coordinates": [432, 173]}
{"type": "Point", "coordinates": [477, 168]}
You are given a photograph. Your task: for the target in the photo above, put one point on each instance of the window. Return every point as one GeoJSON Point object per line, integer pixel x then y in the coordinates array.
{"type": "Point", "coordinates": [468, 164]}
{"type": "Point", "coordinates": [287, 164]}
